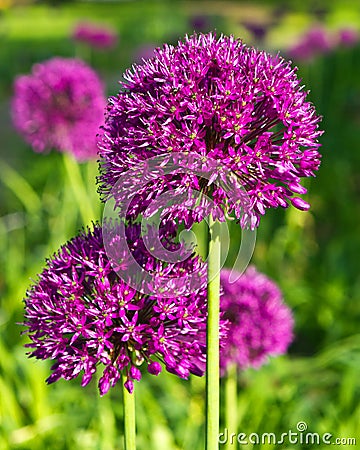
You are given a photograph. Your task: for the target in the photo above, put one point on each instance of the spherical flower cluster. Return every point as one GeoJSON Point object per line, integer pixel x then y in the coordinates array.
{"type": "Point", "coordinates": [235, 107]}
{"type": "Point", "coordinates": [81, 314]}
{"type": "Point", "coordinates": [60, 105]}
{"type": "Point", "coordinates": [260, 324]}
{"type": "Point", "coordinates": [95, 35]}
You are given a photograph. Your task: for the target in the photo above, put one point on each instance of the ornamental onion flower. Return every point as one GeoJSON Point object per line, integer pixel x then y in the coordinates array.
{"type": "Point", "coordinates": [82, 315]}
{"type": "Point", "coordinates": [60, 105]}
{"type": "Point", "coordinates": [236, 108]}
{"type": "Point", "coordinates": [260, 324]}
{"type": "Point", "coordinates": [95, 35]}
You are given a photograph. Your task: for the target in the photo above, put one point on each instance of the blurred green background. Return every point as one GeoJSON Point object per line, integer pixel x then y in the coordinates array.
{"type": "Point", "coordinates": [314, 256]}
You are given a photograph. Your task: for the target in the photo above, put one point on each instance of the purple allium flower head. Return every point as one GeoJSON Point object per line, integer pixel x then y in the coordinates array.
{"type": "Point", "coordinates": [94, 35]}
{"type": "Point", "coordinates": [260, 324]}
{"type": "Point", "coordinates": [235, 107]}
{"type": "Point", "coordinates": [60, 105]}
{"type": "Point", "coordinates": [81, 314]}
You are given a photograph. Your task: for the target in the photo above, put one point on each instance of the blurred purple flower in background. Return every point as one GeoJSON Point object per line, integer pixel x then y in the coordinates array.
{"type": "Point", "coordinates": [315, 41]}
{"type": "Point", "coordinates": [216, 98]}
{"type": "Point", "coordinates": [80, 314]}
{"type": "Point", "coordinates": [60, 105]}
{"type": "Point", "coordinates": [145, 51]}
{"type": "Point", "coordinates": [348, 37]}
{"type": "Point", "coordinates": [260, 324]}
{"type": "Point", "coordinates": [97, 36]}
{"type": "Point", "coordinates": [200, 23]}
{"type": "Point", "coordinates": [257, 30]}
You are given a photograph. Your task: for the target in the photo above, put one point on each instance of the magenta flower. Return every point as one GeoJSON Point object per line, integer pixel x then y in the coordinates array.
{"type": "Point", "coordinates": [236, 108]}
{"type": "Point", "coordinates": [60, 105]}
{"type": "Point", "coordinates": [94, 35]}
{"type": "Point", "coordinates": [82, 314]}
{"type": "Point", "coordinates": [260, 324]}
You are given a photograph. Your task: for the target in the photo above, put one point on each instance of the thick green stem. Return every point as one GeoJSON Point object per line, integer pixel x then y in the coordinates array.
{"type": "Point", "coordinates": [212, 341]}
{"type": "Point", "coordinates": [231, 405]}
{"type": "Point", "coordinates": [84, 52]}
{"type": "Point", "coordinates": [78, 187]}
{"type": "Point", "coordinates": [129, 417]}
